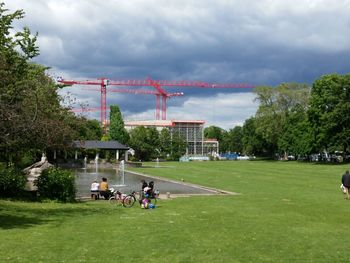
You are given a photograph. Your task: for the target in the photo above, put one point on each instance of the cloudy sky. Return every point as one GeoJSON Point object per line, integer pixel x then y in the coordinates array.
{"type": "Point", "coordinates": [263, 42]}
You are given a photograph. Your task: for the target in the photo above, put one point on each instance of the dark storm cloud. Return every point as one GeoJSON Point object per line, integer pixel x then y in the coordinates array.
{"type": "Point", "coordinates": [258, 42]}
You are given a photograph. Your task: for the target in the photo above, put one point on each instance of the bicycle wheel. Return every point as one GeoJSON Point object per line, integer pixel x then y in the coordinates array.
{"type": "Point", "coordinates": [112, 200]}
{"type": "Point", "coordinates": [129, 201]}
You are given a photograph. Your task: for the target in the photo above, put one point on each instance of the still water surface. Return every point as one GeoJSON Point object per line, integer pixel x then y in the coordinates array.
{"type": "Point", "coordinates": [130, 182]}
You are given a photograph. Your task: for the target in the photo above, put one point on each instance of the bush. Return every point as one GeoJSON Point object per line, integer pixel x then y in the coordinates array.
{"type": "Point", "coordinates": [56, 184]}
{"type": "Point", "coordinates": [12, 181]}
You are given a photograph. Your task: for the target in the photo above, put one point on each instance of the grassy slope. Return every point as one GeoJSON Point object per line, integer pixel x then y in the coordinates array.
{"type": "Point", "coordinates": [287, 212]}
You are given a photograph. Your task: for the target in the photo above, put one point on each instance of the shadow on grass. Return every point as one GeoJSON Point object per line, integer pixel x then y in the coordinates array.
{"type": "Point", "coordinates": [13, 215]}
{"type": "Point", "coordinates": [16, 221]}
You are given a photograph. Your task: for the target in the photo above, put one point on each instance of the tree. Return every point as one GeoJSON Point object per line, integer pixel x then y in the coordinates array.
{"type": "Point", "coordinates": [31, 117]}
{"type": "Point", "coordinates": [90, 130]}
{"type": "Point", "coordinates": [253, 143]}
{"type": "Point", "coordinates": [275, 105]}
{"type": "Point", "coordinates": [137, 142]}
{"type": "Point", "coordinates": [296, 137]}
{"type": "Point", "coordinates": [152, 139]}
{"type": "Point", "coordinates": [145, 142]}
{"type": "Point", "coordinates": [117, 130]}
{"type": "Point", "coordinates": [14, 118]}
{"type": "Point", "coordinates": [329, 112]}
{"type": "Point", "coordinates": [165, 142]}
{"type": "Point", "coordinates": [233, 140]}
{"type": "Point", "coordinates": [178, 146]}
{"type": "Point", "coordinates": [214, 132]}
{"type": "Point", "coordinates": [86, 129]}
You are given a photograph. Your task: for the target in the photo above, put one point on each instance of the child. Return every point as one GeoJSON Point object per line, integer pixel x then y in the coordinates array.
{"type": "Point", "coordinates": [146, 204]}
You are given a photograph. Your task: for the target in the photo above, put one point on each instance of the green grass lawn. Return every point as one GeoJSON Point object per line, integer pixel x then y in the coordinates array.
{"type": "Point", "coordinates": [286, 212]}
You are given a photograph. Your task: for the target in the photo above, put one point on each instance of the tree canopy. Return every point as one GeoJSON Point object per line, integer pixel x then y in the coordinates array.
{"type": "Point", "coordinates": [31, 116]}
{"type": "Point", "coordinates": [116, 129]}
{"type": "Point", "coordinates": [275, 106]}
{"type": "Point", "coordinates": [329, 112]}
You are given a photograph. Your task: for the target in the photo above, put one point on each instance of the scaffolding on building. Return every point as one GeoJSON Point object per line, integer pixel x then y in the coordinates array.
{"type": "Point", "coordinates": [211, 147]}
{"type": "Point", "coordinates": [191, 131]}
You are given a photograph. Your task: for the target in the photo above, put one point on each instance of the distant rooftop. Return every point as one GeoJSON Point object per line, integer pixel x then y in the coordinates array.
{"type": "Point", "coordinates": [107, 145]}
{"type": "Point", "coordinates": [159, 123]}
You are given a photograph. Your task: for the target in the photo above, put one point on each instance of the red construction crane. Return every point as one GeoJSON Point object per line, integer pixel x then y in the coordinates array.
{"type": "Point", "coordinates": [159, 92]}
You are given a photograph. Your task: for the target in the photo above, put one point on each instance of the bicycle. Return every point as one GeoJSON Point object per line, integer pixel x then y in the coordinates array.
{"type": "Point", "coordinates": [120, 198]}
{"type": "Point", "coordinates": [130, 199]}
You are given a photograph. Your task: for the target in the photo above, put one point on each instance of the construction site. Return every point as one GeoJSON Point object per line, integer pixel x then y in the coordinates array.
{"type": "Point", "coordinates": [192, 131]}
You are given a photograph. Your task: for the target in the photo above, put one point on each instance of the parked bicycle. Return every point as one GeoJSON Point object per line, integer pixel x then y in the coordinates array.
{"type": "Point", "coordinates": [128, 200]}
{"type": "Point", "coordinates": [123, 199]}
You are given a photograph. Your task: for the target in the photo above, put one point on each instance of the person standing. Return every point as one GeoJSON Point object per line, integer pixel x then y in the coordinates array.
{"type": "Point", "coordinates": [346, 183]}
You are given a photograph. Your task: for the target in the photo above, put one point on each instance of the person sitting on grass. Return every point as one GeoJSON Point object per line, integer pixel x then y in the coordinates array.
{"type": "Point", "coordinates": [148, 190]}
{"type": "Point", "coordinates": [151, 186]}
{"type": "Point", "coordinates": [142, 192]}
{"type": "Point", "coordinates": [104, 189]}
{"type": "Point", "coordinates": [146, 204]}
{"type": "Point", "coordinates": [144, 184]}
{"type": "Point", "coordinates": [95, 190]}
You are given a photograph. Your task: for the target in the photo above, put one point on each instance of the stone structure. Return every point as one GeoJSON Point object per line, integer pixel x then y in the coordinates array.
{"type": "Point", "coordinates": [34, 171]}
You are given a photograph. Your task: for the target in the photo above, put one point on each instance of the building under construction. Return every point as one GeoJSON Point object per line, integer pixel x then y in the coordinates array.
{"type": "Point", "coordinates": [191, 131]}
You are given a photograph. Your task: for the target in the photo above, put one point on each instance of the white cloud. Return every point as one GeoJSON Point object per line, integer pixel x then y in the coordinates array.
{"type": "Point", "coordinates": [223, 110]}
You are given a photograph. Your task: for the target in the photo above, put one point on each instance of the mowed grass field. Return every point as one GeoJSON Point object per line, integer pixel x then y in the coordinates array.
{"type": "Point", "coordinates": [286, 212]}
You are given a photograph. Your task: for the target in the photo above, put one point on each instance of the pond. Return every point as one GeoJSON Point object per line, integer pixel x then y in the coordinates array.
{"type": "Point", "coordinates": [130, 182]}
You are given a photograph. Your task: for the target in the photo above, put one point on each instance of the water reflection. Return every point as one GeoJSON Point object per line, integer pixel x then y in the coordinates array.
{"type": "Point", "coordinates": [127, 183]}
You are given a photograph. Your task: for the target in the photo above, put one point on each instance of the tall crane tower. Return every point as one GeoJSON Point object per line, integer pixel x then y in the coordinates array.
{"type": "Point", "coordinates": [159, 92]}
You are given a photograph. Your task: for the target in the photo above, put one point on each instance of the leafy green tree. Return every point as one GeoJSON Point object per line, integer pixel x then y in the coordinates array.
{"type": "Point", "coordinates": [165, 142]}
{"type": "Point", "coordinates": [14, 118]}
{"type": "Point", "coordinates": [117, 130]}
{"type": "Point", "coordinates": [274, 107]}
{"type": "Point", "coordinates": [152, 139]}
{"type": "Point", "coordinates": [214, 132]}
{"type": "Point", "coordinates": [329, 112]}
{"type": "Point", "coordinates": [178, 146]}
{"type": "Point", "coordinates": [36, 120]}
{"type": "Point", "coordinates": [253, 142]}
{"type": "Point", "coordinates": [296, 137]}
{"type": "Point", "coordinates": [30, 109]}
{"type": "Point", "coordinates": [89, 129]}
{"type": "Point", "coordinates": [233, 139]}
{"type": "Point", "coordinates": [142, 144]}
